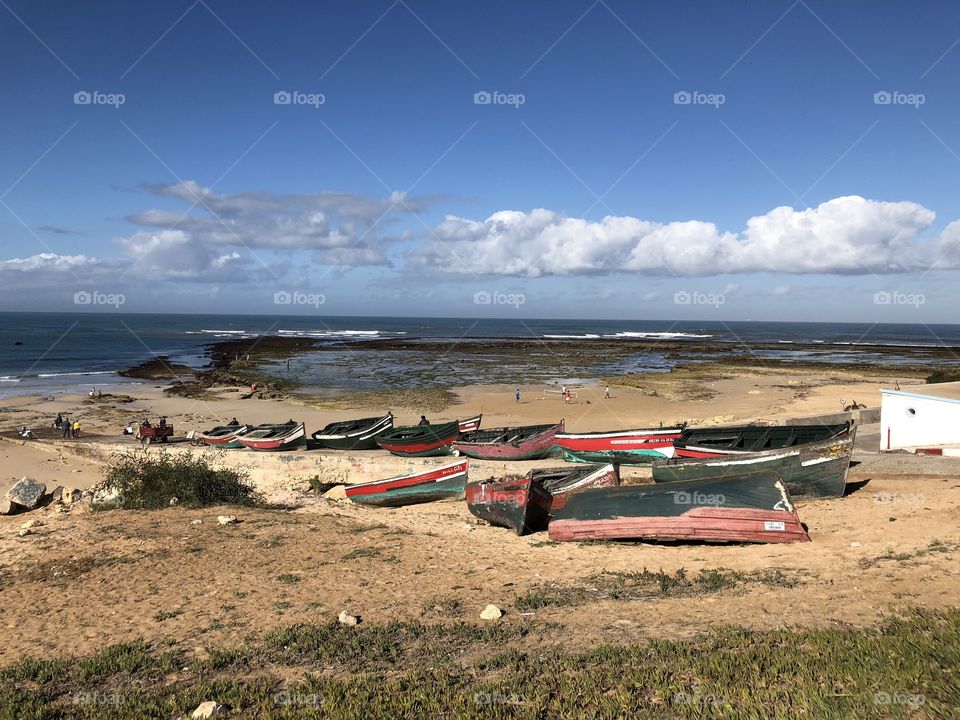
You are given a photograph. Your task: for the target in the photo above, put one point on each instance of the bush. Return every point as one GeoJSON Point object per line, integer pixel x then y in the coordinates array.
{"type": "Point", "coordinates": [943, 375]}
{"type": "Point", "coordinates": [149, 480]}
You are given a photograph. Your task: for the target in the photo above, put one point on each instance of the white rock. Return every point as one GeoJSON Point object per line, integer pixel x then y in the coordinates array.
{"type": "Point", "coordinates": [856, 544]}
{"type": "Point", "coordinates": [346, 618]}
{"type": "Point", "coordinates": [198, 521]}
{"type": "Point", "coordinates": [491, 612]}
{"type": "Point", "coordinates": [31, 524]}
{"type": "Point", "coordinates": [208, 709]}
{"type": "Point", "coordinates": [227, 520]}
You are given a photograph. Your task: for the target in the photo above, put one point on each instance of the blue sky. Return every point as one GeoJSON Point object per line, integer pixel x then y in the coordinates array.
{"type": "Point", "coordinates": [786, 188]}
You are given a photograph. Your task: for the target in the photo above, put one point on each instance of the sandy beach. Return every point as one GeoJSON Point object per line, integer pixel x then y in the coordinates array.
{"type": "Point", "coordinates": [84, 580]}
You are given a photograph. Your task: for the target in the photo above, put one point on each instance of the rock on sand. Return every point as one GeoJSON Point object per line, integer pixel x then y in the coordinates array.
{"type": "Point", "coordinates": [491, 612]}
{"type": "Point", "coordinates": [26, 493]}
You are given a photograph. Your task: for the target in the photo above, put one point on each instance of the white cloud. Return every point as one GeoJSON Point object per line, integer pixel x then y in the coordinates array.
{"type": "Point", "coordinates": [846, 235]}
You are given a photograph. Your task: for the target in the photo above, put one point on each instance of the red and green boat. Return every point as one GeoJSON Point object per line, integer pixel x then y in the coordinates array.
{"type": "Point", "coordinates": [223, 436]}
{"type": "Point", "coordinates": [737, 440]}
{"type": "Point", "coordinates": [736, 508]}
{"type": "Point", "coordinates": [527, 442]}
{"type": "Point", "coordinates": [420, 440]}
{"type": "Point", "coordinates": [470, 424]}
{"type": "Point", "coordinates": [620, 440]}
{"type": "Point", "coordinates": [441, 483]}
{"type": "Point", "coordinates": [524, 503]}
{"type": "Point", "coordinates": [290, 435]}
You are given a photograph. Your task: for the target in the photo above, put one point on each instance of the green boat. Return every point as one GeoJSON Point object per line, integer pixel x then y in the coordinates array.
{"type": "Point", "coordinates": [617, 457]}
{"type": "Point", "coordinates": [816, 470]}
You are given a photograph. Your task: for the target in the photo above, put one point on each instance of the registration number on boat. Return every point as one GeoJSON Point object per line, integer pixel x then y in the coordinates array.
{"type": "Point", "coordinates": [774, 525]}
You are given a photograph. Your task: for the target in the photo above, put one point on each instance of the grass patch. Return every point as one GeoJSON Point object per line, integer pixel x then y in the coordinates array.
{"type": "Point", "coordinates": [289, 578]}
{"type": "Point", "coordinates": [943, 375]}
{"type": "Point", "coordinates": [148, 480]}
{"type": "Point", "coordinates": [903, 669]}
{"type": "Point", "coordinates": [360, 553]}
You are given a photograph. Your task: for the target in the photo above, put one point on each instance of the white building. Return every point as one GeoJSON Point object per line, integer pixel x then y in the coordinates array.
{"type": "Point", "coordinates": [924, 418]}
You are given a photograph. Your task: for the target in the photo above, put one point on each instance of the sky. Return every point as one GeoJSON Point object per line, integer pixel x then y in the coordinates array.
{"type": "Point", "coordinates": [585, 159]}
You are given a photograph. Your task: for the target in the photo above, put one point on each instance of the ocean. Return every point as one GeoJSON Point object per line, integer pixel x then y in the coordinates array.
{"type": "Point", "coordinates": [50, 352]}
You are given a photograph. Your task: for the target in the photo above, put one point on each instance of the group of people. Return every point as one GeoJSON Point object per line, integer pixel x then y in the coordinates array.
{"type": "Point", "coordinates": [70, 429]}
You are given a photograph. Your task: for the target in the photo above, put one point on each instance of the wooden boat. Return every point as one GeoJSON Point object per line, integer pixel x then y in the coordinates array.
{"type": "Point", "coordinates": [817, 470]}
{"type": "Point", "coordinates": [223, 436]}
{"type": "Point", "coordinates": [523, 503]}
{"type": "Point", "coordinates": [620, 457]}
{"type": "Point", "coordinates": [734, 440]}
{"type": "Point", "coordinates": [420, 440]}
{"type": "Point", "coordinates": [528, 442]}
{"type": "Point", "coordinates": [419, 487]}
{"type": "Point", "coordinates": [731, 508]}
{"type": "Point", "coordinates": [618, 440]}
{"type": "Point", "coordinates": [470, 424]}
{"type": "Point", "coordinates": [353, 434]}
{"type": "Point", "coordinates": [290, 435]}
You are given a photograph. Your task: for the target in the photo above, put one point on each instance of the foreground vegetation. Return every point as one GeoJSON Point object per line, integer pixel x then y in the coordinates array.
{"type": "Point", "coordinates": [905, 669]}
{"type": "Point", "coordinates": [154, 479]}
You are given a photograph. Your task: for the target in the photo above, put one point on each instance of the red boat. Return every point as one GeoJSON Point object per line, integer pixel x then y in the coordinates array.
{"type": "Point", "coordinates": [424, 486]}
{"type": "Point", "coordinates": [563, 482]}
{"type": "Point", "coordinates": [419, 440]}
{"type": "Point", "coordinates": [285, 436]}
{"type": "Point", "coordinates": [734, 508]}
{"type": "Point", "coordinates": [529, 442]}
{"type": "Point", "coordinates": [640, 439]}
{"type": "Point", "coordinates": [470, 424]}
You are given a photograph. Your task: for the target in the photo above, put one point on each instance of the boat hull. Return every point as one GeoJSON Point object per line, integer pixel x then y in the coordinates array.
{"type": "Point", "coordinates": [533, 448]}
{"type": "Point", "coordinates": [224, 440]}
{"type": "Point", "coordinates": [600, 476]}
{"type": "Point", "coordinates": [620, 457]}
{"type": "Point", "coordinates": [818, 471]}
{"type": "Point", "coordinates": [752, 509]}
{"type": "Point", "coordinates": [520, 504]}
{"type": "Point", "coordinates": [360, 439]}
{"type": "Point", "coordinates": [420, 440]}
{"type": "Point", "coordinates": [443, 483]}
{"type": "Point", "coordinates": [614, 440]}
{"type": "Point", "coordinates": [470, 424]}
{"type": "Point", "coordinates": [722, 441]}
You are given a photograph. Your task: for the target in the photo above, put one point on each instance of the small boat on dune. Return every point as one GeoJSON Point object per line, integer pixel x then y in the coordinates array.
{"type": "Point", "coordinates": [619, 457]}
{"type": "Point", "coordinates": [817, 470]}
{"type": "Point", "coordinates": [290, 435]}
{"type": "Point", "coordinates": [353, 434]}
{"type": "Point", "coordinates": [223, 436]}
{"type": "Point", "coordinates": [470, 424]}
{"type": "Point", "coordinates": [528, 442]}
{"type": "Point", "coordinates": [746, 508]}
{"type": "Point", "coordinates": [441, 483]}
{"type": "Point", "coordinates": [619, 440]}
{"type": "Point", "coordinates": [734, 440]}
{"type": "Point", "coordinates": [524, 503]}
{"type": "Point", "coordinates": [420, 440]}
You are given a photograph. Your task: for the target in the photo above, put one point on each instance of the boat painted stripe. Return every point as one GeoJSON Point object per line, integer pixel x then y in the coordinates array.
{"type": "Point", "coordinates": [817, 461]}
{"type": "Point", "coordinates": [622, 433]}
{"type": "Point", "coordinates": [456, 467]}
{"type": "Point", "coordinates": [381, 486]}
{"type": "Point", "coordinates": [745, 461]}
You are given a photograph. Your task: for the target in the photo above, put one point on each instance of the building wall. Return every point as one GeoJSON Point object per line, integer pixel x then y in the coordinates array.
{"type": "Point", "coordinates": [910, 421]}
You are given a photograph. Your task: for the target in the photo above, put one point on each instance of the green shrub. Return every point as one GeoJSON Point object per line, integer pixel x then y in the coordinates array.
{"type": "Point", "coordinates": [943, 375]}
{"type": "Point", "coordinates": [149, 480]}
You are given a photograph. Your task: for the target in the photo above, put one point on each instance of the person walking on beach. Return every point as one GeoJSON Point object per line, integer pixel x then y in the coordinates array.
{"type": "Point", "coordinates": [518, 396]}
{"type": "Point", "coordinates": [67, 434]}
{"type": "Point", "coordinates": [76, 429]}
{"type": "Point", "coordinates": [563, 392]}
{"type": "Point", "coordinates": [606, 392]}
{"type": "Point", "coordinates": [58, 423]}
{"type": "Point", "coordinates": [566, 396]}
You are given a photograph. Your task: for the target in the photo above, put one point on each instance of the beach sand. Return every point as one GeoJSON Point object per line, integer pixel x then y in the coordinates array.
{"type": "Point", "coordinates": [86, 579]}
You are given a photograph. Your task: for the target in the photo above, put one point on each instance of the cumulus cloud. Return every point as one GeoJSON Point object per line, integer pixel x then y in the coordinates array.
{"type": "Point", "coordinates": [846, 235]}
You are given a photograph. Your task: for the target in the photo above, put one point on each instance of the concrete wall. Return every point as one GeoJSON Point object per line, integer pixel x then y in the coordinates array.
{"type": "Point", "coordinates": [908, 420]}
